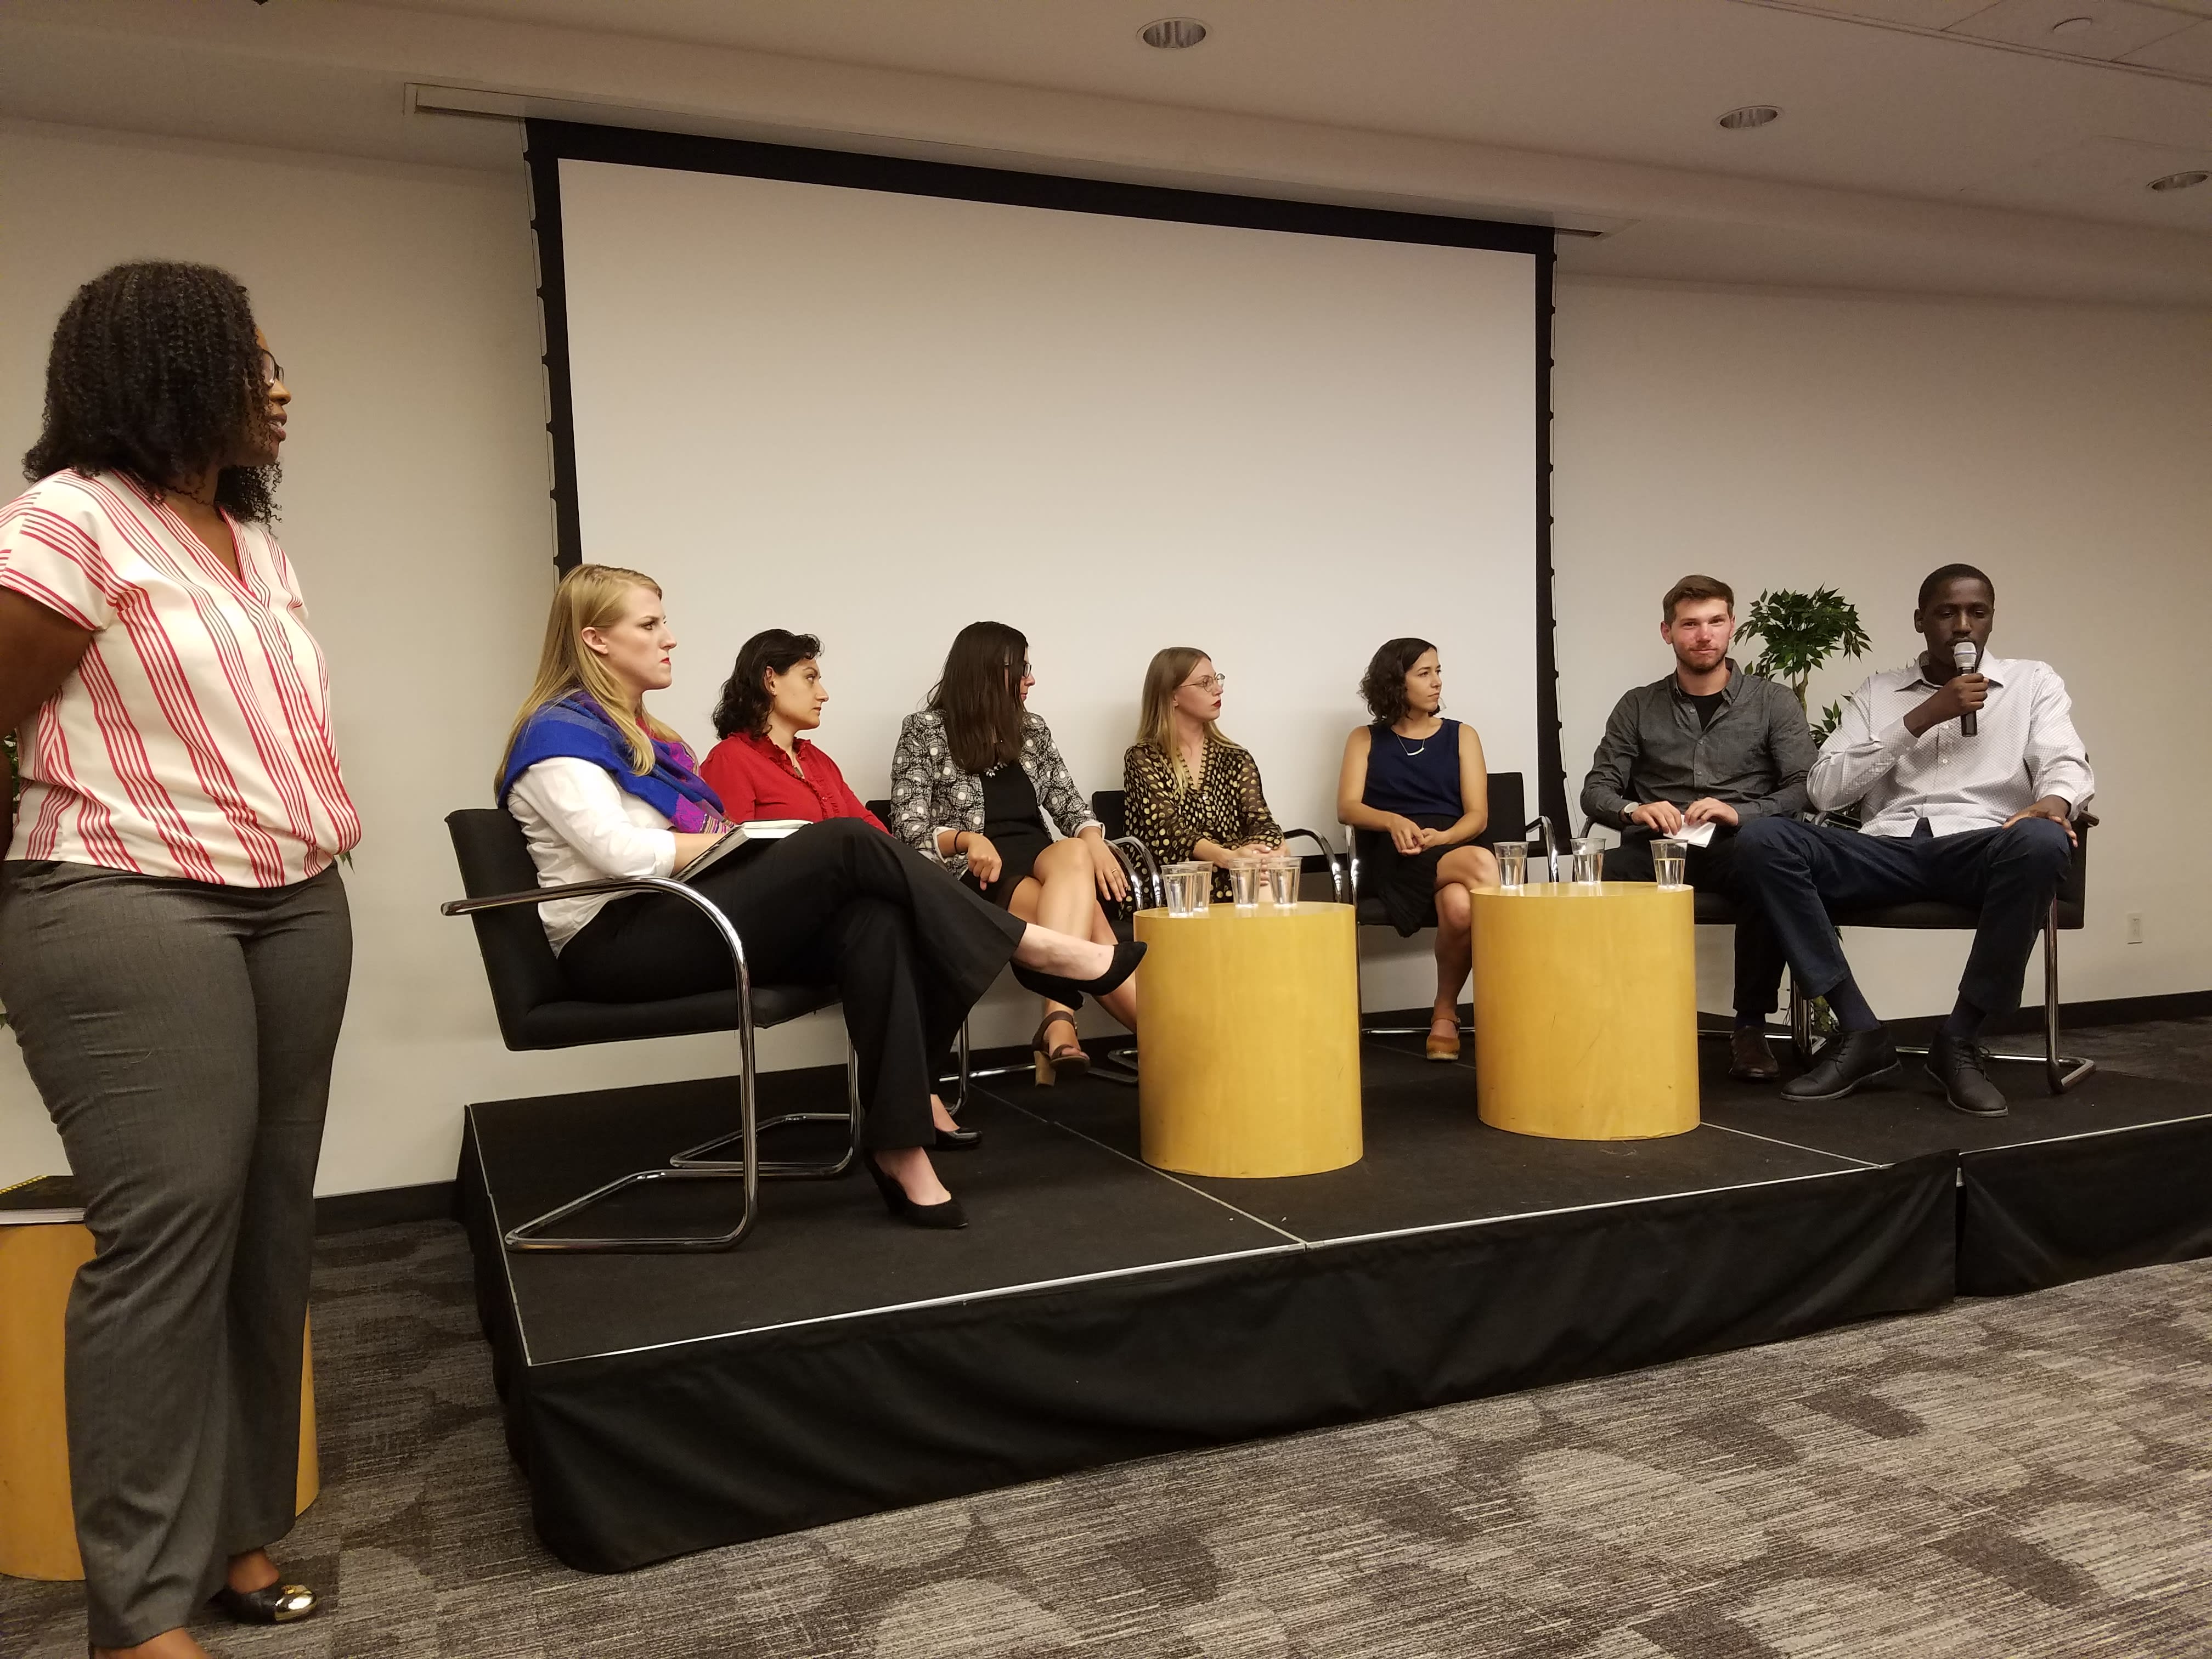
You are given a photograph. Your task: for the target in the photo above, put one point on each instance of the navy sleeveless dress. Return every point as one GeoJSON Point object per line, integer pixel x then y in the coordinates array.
{"type": "Point", "coordinates": [1418, 779]}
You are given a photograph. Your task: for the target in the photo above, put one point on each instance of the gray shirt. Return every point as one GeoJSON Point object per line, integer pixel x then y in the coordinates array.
{"type": "Point", "coordinates": [1754, 756]}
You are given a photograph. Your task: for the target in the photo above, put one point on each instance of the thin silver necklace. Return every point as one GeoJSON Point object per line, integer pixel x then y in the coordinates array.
{"type": "Point", "coordinates": [1410, 753]}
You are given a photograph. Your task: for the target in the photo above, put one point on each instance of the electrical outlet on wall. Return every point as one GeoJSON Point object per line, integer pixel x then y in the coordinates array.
{"type": "Point", "coordinates": [2135, 928]}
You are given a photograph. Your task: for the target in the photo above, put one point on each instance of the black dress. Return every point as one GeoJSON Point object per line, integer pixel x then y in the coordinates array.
{"type": "Point", "coordinates": [1014, 823]}
{"type": "Point", "coordinates": [1420, 781]}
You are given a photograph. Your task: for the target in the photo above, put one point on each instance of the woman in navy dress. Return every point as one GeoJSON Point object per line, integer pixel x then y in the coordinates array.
{"type": "Point", "coordinates": [1415, 791]}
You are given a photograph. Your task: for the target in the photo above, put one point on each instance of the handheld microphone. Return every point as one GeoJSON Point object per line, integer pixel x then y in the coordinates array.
{"type": "Point", "coordinates": [1968, 657]}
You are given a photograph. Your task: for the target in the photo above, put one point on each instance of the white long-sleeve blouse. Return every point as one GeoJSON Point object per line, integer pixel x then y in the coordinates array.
{"type": "Point", "coordinates": [582, 825]}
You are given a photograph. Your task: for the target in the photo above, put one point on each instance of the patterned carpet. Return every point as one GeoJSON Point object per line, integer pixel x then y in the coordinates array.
{"type": "Point", "coordinates": [2019, 1478]}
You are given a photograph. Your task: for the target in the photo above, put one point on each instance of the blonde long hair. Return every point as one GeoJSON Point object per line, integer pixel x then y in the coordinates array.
{"type": "Point", "coordinates": [590, 596]}
{"type": "Point", "coordinates": [1156, 722]}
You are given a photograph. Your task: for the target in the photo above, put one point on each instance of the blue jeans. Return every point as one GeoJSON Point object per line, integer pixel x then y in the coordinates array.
{"type": "Point", "coordinates": [1803, 871]}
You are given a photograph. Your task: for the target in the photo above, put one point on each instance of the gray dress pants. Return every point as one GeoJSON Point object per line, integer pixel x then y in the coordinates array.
{"type": "Point", "coordinates": [180, 1034]}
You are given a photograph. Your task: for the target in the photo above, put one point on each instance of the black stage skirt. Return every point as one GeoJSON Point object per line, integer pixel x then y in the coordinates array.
{"type": "Point", "coordinates": [1014, 823]}
{"type": "Point", "coordinates": [1406, 886]}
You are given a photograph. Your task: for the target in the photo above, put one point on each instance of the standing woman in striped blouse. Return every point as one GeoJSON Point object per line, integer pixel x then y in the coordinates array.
{"type": "Point", "coordinates": [174, 945]}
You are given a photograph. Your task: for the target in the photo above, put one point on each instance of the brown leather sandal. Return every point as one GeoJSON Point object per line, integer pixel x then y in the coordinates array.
{"type": "Point", "coordinates": [1053, 1064]}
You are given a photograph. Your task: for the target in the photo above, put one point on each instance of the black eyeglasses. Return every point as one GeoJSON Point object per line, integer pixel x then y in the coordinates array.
{"type": "Point", "coordinates": [271, 370]}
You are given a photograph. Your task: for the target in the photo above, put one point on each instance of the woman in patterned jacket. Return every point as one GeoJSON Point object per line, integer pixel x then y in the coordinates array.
{"type": "Point", "coordinates": [973, 777]}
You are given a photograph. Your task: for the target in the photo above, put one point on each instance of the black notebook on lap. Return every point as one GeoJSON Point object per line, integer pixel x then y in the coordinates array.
{"type": "Point", "coordinates": [42, 1201]}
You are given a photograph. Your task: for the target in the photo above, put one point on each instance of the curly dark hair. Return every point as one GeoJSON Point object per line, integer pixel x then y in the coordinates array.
{"type": "Point", "coordinates": [744, 701]}
{"type": "Point", "coordinates": [155, 371]}
{"type": "Point", "coordinates": [1383, 684]}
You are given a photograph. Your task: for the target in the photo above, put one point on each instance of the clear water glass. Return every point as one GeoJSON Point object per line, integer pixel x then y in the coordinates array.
{"type": "Point", "coordinates": [1244, 884]}
{"type": "Point", "coordinates": [1190, 889]}
{"type": "Point", "coordinates": [1512, 864]}
{"type": "Point", "coordinates": [1283, 874]}
{"type": "Point", "coordinates": [1670, 861]}
{"type": "Point", "coordinates": [1588, 862]}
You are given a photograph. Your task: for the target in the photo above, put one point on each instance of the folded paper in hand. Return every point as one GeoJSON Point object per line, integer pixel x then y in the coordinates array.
{"type": "Point", "coordinates": [1697, 835]}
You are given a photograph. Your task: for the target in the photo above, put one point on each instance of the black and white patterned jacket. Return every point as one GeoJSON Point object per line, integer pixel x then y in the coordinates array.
{"type": "Point", "coordinates": [930, 792]}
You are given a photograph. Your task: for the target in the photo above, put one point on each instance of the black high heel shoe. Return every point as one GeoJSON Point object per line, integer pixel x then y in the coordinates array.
{"type": "Point", "coordinates": [947, 1215]}
{"type": "Point", "coordinates": [958, 1141]}
{"type": "Point", "coordinates": [279, 1604]}
{"type": "Point", "coordinates": [1126, 956]}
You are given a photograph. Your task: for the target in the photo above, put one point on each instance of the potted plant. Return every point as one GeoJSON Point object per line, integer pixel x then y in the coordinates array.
{"type": "Point", "coordinates": [1799, 632]}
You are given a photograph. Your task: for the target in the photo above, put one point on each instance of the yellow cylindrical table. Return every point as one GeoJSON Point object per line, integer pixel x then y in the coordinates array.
{"type": "Point", "coordinates": [1247, 1063]}
{"type": "Point", "coordinates": [38, 1530]}
{"type": "Point", "coordinates": [1586, 1011]}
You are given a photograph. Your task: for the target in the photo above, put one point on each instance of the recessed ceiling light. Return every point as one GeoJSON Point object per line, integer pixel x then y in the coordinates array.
{"type": "Point", "coordinates": [2073, 25]}
{"type": "Point", "coordinates": [1751, 115]}
{"type": "Point", "coordinates": [2179, 180]}
{"type": "Point", "coordinates": [1172, 33]}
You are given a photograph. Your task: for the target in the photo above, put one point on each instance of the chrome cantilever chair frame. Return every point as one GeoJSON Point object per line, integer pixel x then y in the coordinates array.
{"type": "Point", "coordinates": [748, 1167]}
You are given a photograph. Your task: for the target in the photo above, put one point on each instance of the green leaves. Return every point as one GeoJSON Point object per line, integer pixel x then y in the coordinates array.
{"type": "Point", "coordinates": [1801, 631]}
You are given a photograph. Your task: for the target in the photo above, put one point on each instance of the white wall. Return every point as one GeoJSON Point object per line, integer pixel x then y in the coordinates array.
{"type": "Point", "coordinates": [399, 300]}
{"type": "Point", "coordinates": [1769, 439]}
{"type": "Point", "coordinates": [1780, 440]}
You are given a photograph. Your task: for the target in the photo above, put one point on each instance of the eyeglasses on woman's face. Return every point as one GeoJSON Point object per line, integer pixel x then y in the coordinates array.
{"type": "Point", "coordinates": [1210, 684]}
{"type": "Point", "coordinates": [271, 370]}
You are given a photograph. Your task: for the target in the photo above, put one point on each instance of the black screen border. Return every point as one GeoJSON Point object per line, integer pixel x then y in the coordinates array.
{"type": "Point", "coordinates": [548, 143]}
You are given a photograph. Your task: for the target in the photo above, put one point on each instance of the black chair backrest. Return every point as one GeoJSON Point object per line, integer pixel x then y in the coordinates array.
{"type": "Point", "coordinates": [519, 964]}
{"type": "Point", "coordinates": [1508, 808]}
{"type": "Point", "coordinates": [882, 809]}
{"type": "Point", "coordinates": [1109, 808]}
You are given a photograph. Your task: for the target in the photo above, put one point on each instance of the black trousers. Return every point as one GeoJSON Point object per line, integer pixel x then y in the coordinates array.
{"type": "Point", "coordinates": [1801, 871]}
{"type": "Point", "coordinates": [1718, 868]}
{"type": "Point", "coordinates": [840, 904]}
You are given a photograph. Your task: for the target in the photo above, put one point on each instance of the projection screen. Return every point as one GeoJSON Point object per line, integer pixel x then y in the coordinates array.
{"type": "Point", "coordinates": [875, 400]}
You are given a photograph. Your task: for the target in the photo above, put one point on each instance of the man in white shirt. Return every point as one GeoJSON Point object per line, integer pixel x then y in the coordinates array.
{"type": "Point", "coordinates": [1984, 821]}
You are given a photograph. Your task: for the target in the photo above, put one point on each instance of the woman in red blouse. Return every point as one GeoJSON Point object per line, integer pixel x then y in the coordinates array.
{"type": "Point", "coordinates": [763, 769]}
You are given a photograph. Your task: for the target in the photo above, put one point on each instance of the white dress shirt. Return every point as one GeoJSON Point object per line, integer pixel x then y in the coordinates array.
{"type": "Point", "coordinates": [582, 825]}
{"type": "Point", "coordinates": [2027, 747]}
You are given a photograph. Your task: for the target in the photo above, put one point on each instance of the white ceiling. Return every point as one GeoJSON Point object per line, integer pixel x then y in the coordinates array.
{"type": "Point", "coordinates": [1912, 151]}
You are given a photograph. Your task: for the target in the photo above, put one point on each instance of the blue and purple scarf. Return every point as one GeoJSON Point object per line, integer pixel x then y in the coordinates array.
{"type": "Point", "coordinates": [576, 727]}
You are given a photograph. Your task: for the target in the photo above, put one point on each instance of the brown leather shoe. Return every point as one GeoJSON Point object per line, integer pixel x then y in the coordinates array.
{"type": "Point", "coordinates": [1442, 1044]}
{"type": "Point", "coordinates": [1749, 1057]}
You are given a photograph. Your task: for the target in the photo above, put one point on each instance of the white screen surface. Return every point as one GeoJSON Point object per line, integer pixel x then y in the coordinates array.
{"type": "Point", "coordinates": [877, 417]}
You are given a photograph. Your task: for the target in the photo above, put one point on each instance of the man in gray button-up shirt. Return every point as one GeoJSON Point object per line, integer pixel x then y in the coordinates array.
{"type": "Point", "coordinates": [1712, 744]}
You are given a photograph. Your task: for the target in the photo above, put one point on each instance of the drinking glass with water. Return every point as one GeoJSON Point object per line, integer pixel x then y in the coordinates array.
{"type": "Point", "coordinates": [1512, 864]}
{"type": "Point", "coordinates": [1589, 861]}
{"type": "Point", "coordinates": [1669, 861]}
{"type": "Point", "coordinates": [1190, 889]}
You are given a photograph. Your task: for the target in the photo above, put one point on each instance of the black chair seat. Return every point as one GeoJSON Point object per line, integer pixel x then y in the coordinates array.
{"type": "Point", "coordinates": [567, 1023]}
{"type": "Point", "coordinates": [1715, 909]}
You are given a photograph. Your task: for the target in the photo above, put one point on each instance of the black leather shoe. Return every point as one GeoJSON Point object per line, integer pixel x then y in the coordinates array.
{"type": "Point", "coordinates": [1849, 1059]}
{"type": "Point", "coordinates": [1749, 1057]}
{"type": "Point", "coordinates": [944, 1216]}
{"type": "Point", "coordinates": [278, 1604]}
{"type": "Point", "coordinates": [1959, 1067]}
{"type": "Point", "coordinates": [1127, 955]}
{"type": "Point", "coordinates": [956, 1140]}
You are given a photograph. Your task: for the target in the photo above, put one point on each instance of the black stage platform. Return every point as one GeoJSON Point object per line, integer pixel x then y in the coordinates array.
{"type": "Point", "coordinates": [1097, 1309]}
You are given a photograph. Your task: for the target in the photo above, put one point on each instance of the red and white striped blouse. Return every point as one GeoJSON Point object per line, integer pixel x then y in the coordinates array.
{"type": "Point", "coordinates": [193, 741]}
